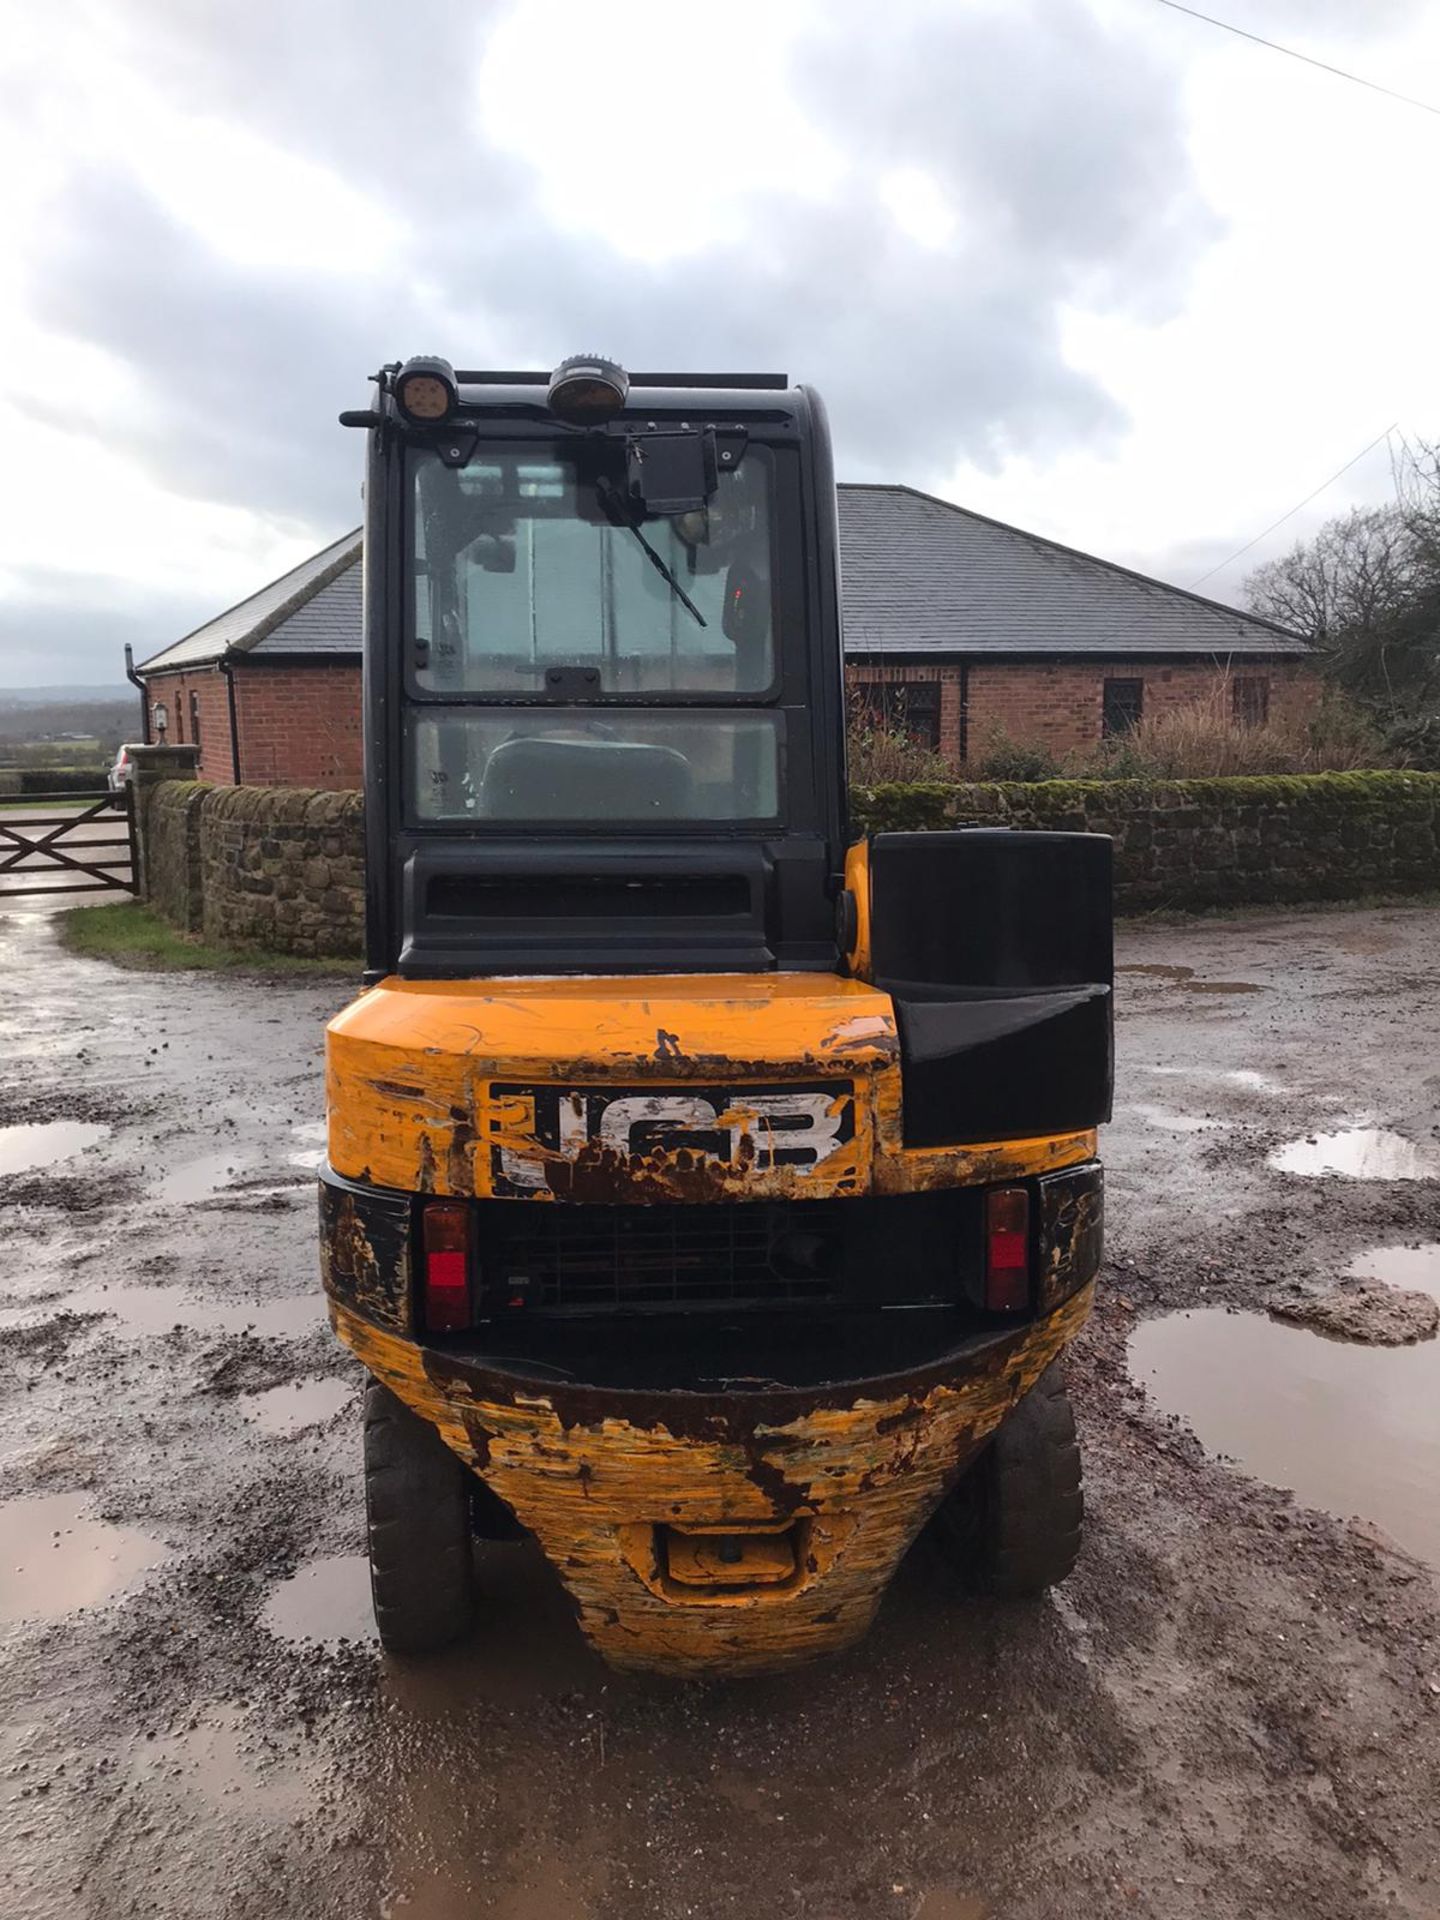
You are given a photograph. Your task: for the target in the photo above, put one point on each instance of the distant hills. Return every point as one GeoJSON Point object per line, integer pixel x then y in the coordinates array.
{"type": "Point", "coordinates": [64, 696]}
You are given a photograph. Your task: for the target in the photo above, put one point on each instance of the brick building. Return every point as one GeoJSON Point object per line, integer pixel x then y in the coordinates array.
{"type": "Point", "coordinates": [958, 626]}
{"type": "Point", "coordinates": [270, 690]}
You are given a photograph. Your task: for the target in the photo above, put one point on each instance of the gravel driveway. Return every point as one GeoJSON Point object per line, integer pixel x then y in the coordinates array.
{"type": "Point", "coordinates": [1231, 1709]}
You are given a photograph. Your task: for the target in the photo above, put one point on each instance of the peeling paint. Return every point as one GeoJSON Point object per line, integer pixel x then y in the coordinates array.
{"type": "Point", "coordinates": [483, 1052]}
{"type": "Point", "coordinates": [374, 1279]}
{"type": "Point", "coordinates": [594, 1472]}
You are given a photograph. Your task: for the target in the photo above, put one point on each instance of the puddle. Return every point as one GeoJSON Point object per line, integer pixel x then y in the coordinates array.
{"type": "Point", "coordinates": [1185, 977]}
{"type": "Point", "coordinates": [1173, 1122]}
{"type": "Point", "coordinates": [1245, 1077]}
{"type": "Point", "coordinates": [1416, 1269]}
{"type": "Point", "coordinates": [55, 1561]}
{"type": "Point", "coordinates": [24, 1149]}
{"type": "Point", "coordinates": [198, 1179]}
{"type": "Point", "coordinates": [1358, 1153]}
{"type": "Point", "coordinates": [940, 1904]}
{"type": "Point", "coordinates": [291, 1408]}
{"type": "Point", "coordinates": [143, 1310]}
{"type": "Point", "coordinates": [226, 1763]}
{"type": "Point", "coordinates": [1352, 1429]}
{"type": "Point", "coordinates": [157, 1309]}
{"type": "Point", "coordinates": [325, 1600]}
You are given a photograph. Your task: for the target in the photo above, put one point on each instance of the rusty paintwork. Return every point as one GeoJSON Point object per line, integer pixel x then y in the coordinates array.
{"type": "Point", "coordinates": [1072, 1232]}
{"type": "Point", "coordinates": [426, 1085]}
{"type": "Point", "coordinates": [365, 1252]}
{"type": "Point", "coordinates": [850, 1473]}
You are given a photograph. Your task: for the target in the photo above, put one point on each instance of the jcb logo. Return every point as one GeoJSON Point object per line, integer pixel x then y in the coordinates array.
{"type": "Point", "coordinates": [744, 1127]}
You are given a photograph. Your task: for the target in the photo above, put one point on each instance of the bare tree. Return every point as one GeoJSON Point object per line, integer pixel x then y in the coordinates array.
{"type": "Point", "coordinates": [1352, 576]}
{"type": "Point", "coordinates": [1366, 589]}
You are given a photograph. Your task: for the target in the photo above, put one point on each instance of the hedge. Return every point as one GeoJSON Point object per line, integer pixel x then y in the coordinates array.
{"type": "Point", "coordinates": [1190, 843]}
{"type": "Point", "coordinates": [23, 780]}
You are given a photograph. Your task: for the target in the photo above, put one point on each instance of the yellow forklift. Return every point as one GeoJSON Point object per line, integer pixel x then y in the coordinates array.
{"type": "Point", "coordinates": [709, 1194]}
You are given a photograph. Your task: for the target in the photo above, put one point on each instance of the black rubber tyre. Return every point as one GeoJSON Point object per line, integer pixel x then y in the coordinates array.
{"type": "Point", "coordinates": [1012, 1527]}
{"type": "Point", "coordinates": [417, 1511]}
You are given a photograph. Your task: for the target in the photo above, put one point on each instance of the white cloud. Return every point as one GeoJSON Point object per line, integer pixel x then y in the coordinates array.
{"type": "Point", "coordinates": [1086, 265]}
{"type": "Point", "coordinates": [1306, 332]}
{"type": "Point", "coordinates": [659, 167]}
{"type": "Point", "coordinates": [919, 206]}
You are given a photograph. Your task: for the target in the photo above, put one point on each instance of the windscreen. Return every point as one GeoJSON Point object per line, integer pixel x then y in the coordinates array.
{"type": "Point", "coordinates": [533, 557]}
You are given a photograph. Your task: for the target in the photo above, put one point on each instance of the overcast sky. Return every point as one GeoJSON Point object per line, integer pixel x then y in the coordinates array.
{"type": "Point", "coordinates": [1088, 265]}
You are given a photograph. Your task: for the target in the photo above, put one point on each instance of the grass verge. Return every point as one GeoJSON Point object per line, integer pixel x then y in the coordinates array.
{"type": "Point", "coordinates": [132, 935]}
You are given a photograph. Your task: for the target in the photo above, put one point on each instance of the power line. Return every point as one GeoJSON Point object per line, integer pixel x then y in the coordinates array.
{"type": "Point", "coordinates": [1298, 505]}
{"type": "Point", "coordinates": [1274, 45]}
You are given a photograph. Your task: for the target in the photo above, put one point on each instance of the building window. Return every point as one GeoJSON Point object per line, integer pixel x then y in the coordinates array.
{"type": "Point", "coordinates": [195, 719]}
{"type": "Point", "coordinates": [179, 722]}
{"type": "Point", "coordinates": [1252, 701]}
{"type": "Point", "coordinates": [904, 706]}
{"type": "Point", "coordinates": [1124, 704]}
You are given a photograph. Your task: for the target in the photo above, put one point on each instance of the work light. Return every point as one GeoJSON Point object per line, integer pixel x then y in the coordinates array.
{"type": "Point", "coordinates": [425, 390]}
{"type": "Point", "coordinates": [586, 388]}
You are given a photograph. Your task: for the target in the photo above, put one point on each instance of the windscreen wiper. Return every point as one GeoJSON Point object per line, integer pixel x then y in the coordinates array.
{"type": "Point", "coordinates": [615, 508]}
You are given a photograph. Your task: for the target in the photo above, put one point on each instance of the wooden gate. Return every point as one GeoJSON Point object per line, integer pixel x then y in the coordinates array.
{"type": "Point", "coordinates": [89, 849]}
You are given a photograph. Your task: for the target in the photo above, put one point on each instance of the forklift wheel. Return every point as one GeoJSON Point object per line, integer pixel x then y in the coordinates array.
{"type": "Point", "coordinates": [1012, 1526]}
{"type": "Point", "coordinates": [417, 1510]}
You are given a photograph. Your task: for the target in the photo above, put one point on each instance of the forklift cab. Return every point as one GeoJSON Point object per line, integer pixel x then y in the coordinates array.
{"type": "Point", "coordinates": [613, 721]}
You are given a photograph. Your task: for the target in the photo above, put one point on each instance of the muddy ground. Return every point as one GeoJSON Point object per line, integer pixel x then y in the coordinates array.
{"type": "Point", "coordinates": [1231, 1709]}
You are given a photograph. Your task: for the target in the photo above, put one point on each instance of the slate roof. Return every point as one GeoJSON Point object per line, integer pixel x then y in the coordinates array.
{"type": "Point", "coordinates": [313, 609]}
{"type": "Point", "coordinates": [921, 577]}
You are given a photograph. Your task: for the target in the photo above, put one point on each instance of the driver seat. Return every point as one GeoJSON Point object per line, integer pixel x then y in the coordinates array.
{"type": "Point", "coordinates": [535, 778]}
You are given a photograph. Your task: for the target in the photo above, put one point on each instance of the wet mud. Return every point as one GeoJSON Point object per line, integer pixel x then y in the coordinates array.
{"type": "Point", "coordinates": [1377, 1314]}
{"type": "Point", "coordinates": [1231, 1709]}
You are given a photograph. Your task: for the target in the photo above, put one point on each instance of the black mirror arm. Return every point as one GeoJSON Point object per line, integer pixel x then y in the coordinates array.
{"type": "Point", "coordinates": [622, 519]}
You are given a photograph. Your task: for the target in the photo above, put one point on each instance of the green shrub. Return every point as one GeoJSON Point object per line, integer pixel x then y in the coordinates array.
{"type": "Point", "coordinates": [61, 779]}
{"type": "Point", "coordinates": [879, 752]}
{"type": "Point", "coordinates": [894, 807]}
{"type": "Point", "coordinates": [1006, 759]}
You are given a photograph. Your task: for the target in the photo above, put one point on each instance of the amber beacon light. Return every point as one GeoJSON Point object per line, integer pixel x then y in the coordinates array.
{"type": "Point", "coordinates": [425, 390]}
{"type": "Point", "coordinates": [587, 388]}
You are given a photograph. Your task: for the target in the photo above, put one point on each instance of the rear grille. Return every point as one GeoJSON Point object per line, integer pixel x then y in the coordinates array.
{"type": "Point", "coordinates": [556, 1259]}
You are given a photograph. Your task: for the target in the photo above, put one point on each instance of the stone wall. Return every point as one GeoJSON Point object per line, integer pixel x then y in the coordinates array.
{"type": "Point", "coordinates": [170, 862]}
{"type": "Point", "coordinates": [281, 868]}
{"type": "Point", "coordinates": [1212, 843]}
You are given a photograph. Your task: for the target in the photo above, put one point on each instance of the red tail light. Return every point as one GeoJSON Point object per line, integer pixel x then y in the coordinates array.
{"type": "Point", "coordinates": [1007, 1250]}
{"type": "Point", "coordinates": [445, 1265]}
